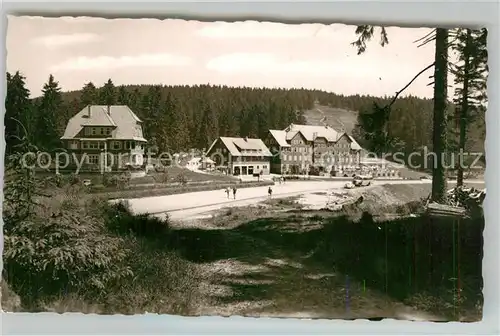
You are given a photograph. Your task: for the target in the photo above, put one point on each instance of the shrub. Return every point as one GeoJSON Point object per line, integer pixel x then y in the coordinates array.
{"type": "Point", "coordinates": [52, 246]}
{"type": "Point", "coordinates": [64, 252]}
{"type": "Point", "coordinates": [120, 181]}
{"type": "Point", "coordinates": [181, 178]}
{"type": "Point", "coordinates": [162, 178]}
{"type": "Point", "coordinates": [120, 219]}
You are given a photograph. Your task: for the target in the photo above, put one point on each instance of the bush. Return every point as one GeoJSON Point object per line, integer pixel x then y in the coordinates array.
{"type": "Point", "coordinates": [314, 171]}
{"type": "Point", "coordinates": [66, 250]}
{"type": "Point", "coordinates": [61, 252]}
{"type": "Point", "coordinates": [181, 178]}
{"type": "Point", "coordinates": [119, 219]}
{"type": "Point", "coordinates": [120, 181]}
{"type": "Point", "coordinates": [162, 178]}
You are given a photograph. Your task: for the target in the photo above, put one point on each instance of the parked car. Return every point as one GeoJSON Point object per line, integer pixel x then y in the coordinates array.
{"type": "Point", "coordinates": [362, 180]}
{"type": "Point", "coordinates": [349, 185]}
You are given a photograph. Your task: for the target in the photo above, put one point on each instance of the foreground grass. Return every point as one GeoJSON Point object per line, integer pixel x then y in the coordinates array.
{"type": "Point", "coordinates": [390, 265]}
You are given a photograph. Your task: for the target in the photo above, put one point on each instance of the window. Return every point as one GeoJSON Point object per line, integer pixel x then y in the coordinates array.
{"type": "Point", "coordinates": [263, 167]}
{"type": "Point", "coordinates": [129, 144]}
{"type": "Point", "coordinates": [85, 145]}
{"type": "Point", "coordinates": [108, 130]}
{"type": "Point", "coordinates": [73, 145]}
{"type": "Point", "coordinates": [102, 130]}
{"type": "Point", "coordinates": [93, 159]}
{"type": "Point", "coordinates": [116, 145]}
{"type": "Point", "coordinates": [102, 144]}
{"type": "Point", "coordinates": [94, 131]}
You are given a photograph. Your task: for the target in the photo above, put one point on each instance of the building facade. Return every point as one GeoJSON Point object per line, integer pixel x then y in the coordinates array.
{"type": "Point", "coordinates": [105, 137]}
{"type": "Point", "coordinates": [299, 148]}
{"type": "Point", "coordinates": [240, 156]}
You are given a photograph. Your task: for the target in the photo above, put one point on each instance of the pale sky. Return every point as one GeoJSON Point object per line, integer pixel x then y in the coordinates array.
{"type": "Point", "coordinates": [179, 52]}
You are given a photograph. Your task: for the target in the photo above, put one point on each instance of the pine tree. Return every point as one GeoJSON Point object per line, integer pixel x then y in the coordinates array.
{"type": "Point", "coordinates": [365, 33]}
{"type": "Point", "coordinates": [89, 95]}
{"type": "Point", "coordinates": [439, 121]}
{"type": "Point", "coordinates": [208, 128]}
{"type": "Point", "coordinates": [18, 111]}
{"type": "Point", "coordinates": [123, 96]}
{"type": "Point", "coordinates": [107, 94]}
{"type": "Point", "coordinates": [470, 77]}
{"type": "Point", "coordinates": [49, 116]}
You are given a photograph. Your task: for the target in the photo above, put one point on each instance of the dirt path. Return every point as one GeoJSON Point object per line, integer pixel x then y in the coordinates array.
{"type": "Point", "coordinates": [262, 279]}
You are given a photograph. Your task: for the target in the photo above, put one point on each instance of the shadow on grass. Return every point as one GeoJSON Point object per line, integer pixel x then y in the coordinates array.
{"type": "Point", "coordinates": [310, 263]}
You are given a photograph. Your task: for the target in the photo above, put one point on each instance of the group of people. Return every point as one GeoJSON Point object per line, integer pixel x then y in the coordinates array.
{"type": "Point", "coordinates": [228, 191]}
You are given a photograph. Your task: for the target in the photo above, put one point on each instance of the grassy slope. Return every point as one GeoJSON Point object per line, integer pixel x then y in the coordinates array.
{"type": "Point", "coordinates": [337, 118]}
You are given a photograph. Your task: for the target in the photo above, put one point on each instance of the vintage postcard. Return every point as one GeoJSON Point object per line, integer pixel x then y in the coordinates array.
{"type": "Point", "coordinates": [246, 168]}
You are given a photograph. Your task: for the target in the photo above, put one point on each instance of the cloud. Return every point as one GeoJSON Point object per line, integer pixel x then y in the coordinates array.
{"type": "Point", "coordinates": [107, 62]}
{"type": "Point", "coordinates": [254, 29]}
{"type": "Point", "coordinates": [267, 63]}
{"type": "Point", "coordinates": [61, 40]}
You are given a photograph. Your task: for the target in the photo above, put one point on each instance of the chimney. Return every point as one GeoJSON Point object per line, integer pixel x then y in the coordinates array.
{"type": "Point", "coordinates": [246, 139]}
{"type": "Point", "coordinates": [109, 107]}
{"type": "Point", "coordinates": [88, 110]}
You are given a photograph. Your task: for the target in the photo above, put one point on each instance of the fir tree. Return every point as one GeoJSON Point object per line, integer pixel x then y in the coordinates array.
{"type": "Point", "coordinates": [365, 33]}
{"type": "Point", "coordinates": [107, 94]}
{"type": "Point", "coordinates": [470, 77]}
{"type": "Point", "coordinates": [123, 96]}
{"type": "Point", "coordinates": [18, 111]}
{"type": "Point", "coordinates": [208, 128]}
{"type": "Point", "coordinates": [89, 95]}
{"type": "Point", "coordinates": [49, 115]}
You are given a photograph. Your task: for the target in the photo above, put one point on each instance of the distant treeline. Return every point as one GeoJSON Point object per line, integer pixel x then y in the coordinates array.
{"type": "Point", "coordinates": [183, 117]}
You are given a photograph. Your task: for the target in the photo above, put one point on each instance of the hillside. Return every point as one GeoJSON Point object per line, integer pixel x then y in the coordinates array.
{"type": "Point", "coordinates": [338, 118]}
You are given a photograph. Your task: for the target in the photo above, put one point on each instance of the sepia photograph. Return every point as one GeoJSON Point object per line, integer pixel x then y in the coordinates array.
{"type": "Point", "coordinates": [263, 169]}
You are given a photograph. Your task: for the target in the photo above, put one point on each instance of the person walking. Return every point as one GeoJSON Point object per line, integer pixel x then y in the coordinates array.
{"type": "Point", "coordinates": [234, 192]}
{"type": "Point", "coordinates": [270, 192]}
{"type": "Point", "coordinates": [228, 190]}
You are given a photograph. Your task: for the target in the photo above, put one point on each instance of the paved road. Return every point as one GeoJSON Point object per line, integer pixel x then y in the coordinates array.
{"type": "Point", "coordinates": [190, 204]}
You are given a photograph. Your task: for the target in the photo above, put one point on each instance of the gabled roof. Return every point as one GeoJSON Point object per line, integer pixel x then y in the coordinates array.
{"type": "Point", "coordinates": [310, 132]}
{"type": "Point", "coordinates": [280, 137]}
{"type": "Point", "coordinates": [125, 123]}
{"type": "Point", "coordinates": [354, 144]}
{"type": "Point", "coordinates": [240, 146]}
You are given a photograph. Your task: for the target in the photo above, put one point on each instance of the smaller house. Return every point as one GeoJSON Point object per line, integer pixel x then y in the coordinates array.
{"type": "Point", "coordinates": [207, 164]}
{"type": "Point", "coordinates": [240, 156]}
{"type": "Point", "coordinates": [194, 163]}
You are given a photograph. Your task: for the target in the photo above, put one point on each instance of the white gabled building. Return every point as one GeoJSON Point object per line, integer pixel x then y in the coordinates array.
{"type": "Point", "coordinates": [240, 156]}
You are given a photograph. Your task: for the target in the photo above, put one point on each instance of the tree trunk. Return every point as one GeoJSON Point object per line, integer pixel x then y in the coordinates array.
{"type": "Point", "coordinates": [440, 100]}
{"type": "Point", "coordinates": [464, 109]}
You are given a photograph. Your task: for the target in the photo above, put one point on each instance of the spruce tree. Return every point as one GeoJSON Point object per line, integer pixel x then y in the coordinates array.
{"type": "Point", "coordinates": [49, 115]}
{"type": "Point", "coordinates": [123, 96]}
{"type": "Point", "coordinates": [209, 130]}
{"type": "Point", "coordinates": [470, 78]}
{"type": "Point", "coordinates": [365, 33]}
{"type": "Point", "coordinates": [18, 111]}
{"type": "Point", "coordinates": [89, 95]}
{"type": "Point", "coordinates": [107, 94]}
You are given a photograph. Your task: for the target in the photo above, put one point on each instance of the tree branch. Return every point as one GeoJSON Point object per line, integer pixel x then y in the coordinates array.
{"type": "Point", "coordinates": [407, 85]}
{"type": "Point", "coordinates": [426, 36]}
{"type": "Point", "coordinates": [427, 41]}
